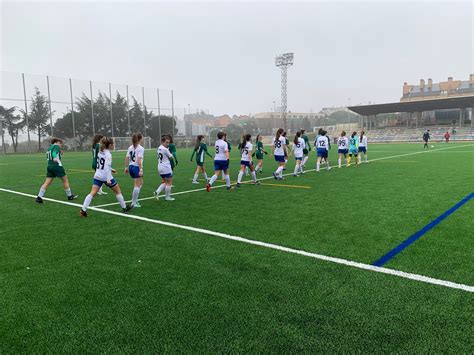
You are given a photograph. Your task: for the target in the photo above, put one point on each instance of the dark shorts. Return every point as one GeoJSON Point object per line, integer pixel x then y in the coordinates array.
{"type": "Point", "coordinates": [134, 171]}
{"type": "Point", "coordinates": [353, 152]}
{"type": "Point", "coordinates": [259, 156]}
{"type": "Point", "coordinates": [363, 149]}
{"type": "Point", "coordinates": [53, 171]}
{"type": "Point", "coordinates": [343, 151]}
{"type": "Point", "coordinates": [322, 153]}
{"type": "Point", "coordinates": [221, 165]}
{"type": "Point", "coordinates": [298, 158]}
{"type": "Point", "coordinates": [246, 163]}
{"type": "Point", "coordinates": [100, 183]}
{"type": "Point", "coordinates": [280, 158]}
{"type": "Point", "coordinates": [200, 163]}
{"type": "Point", "coordinates": [166, 176]}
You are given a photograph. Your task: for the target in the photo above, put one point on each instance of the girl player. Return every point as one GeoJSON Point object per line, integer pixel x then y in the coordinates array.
{"type": "Point", "coordinates": [134, 162]}
{"type": "Point", "coordinates": [230, 149]}
{"type": "Point", "coordinates": [307, 149]}
{"type": "Point", "coordinates": [164, 169]}
{"type": "Point", "coordinates": [221, 162]}
{"type": "Point", "coordinates": [322, 149]}
{"type": "Point", "coordinates": [95, 150]}
{"type": "Point", "coordinates": [246, 159]}
{"type": "Point", "coordinates": [362, 147]}
{"type": "Point", "coordinates": [259, 153]}
{"type": "Point", "coordinates": [280, 152]}
{"type": "Point", "coordinates": [200, 149]}
{"type": "Point", "coordinates": [172, 149]}
{"type": "Point", "coordinates": [55, 169]}
{"type": "Point", "coordinates": [298, 147]}
{"type": "Point", "coordinates": [342, 148]}
{"type": "Point", "coordinates": [103, 174]}
{"type": "Point", "coordinates": [353, 141]}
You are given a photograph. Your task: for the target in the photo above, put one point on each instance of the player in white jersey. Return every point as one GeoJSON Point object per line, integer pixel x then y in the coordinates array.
{"type": "Point", "coordinates": [362, 147]}
{"type": "Point", "coordinates": [246, 149]}
{"type": "Point", "coordinates": [280, 152]}
{"type": "Point", "coordinates": [299, 146]}
{"type": "Point", "coordinates": [322, 149]}
{"type": "Point", "coordinates": [103, 175]}
{"type": "Point", "coordinates": [221, 162]}
{"type": "Point", "coordinates": [164, 169]}
{"type": "Point", "coordinates": [342, 148]}
{"type": "Point", "coordinates": [134, 166]}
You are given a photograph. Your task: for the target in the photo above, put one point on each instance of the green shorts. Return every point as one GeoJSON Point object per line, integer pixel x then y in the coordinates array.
{"type": "Point", "coordinates": [259, 156]}
{"type": "Point", "coordinates": [55, 171]}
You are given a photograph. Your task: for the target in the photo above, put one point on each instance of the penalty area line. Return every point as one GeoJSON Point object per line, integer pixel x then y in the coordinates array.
{"type": "Point", "coordinates": [393, 272]}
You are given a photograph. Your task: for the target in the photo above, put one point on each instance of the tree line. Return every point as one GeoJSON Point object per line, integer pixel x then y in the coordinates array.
{"type": "Point", "coordinates": [107, 113]}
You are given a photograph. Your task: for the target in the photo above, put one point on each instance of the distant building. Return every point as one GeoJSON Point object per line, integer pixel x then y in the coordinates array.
{"type": "Point", "coordinates": [444, 89]}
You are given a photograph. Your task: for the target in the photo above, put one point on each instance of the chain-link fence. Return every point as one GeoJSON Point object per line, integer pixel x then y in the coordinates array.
{"type": "Point", "coordinates": [35, 107]}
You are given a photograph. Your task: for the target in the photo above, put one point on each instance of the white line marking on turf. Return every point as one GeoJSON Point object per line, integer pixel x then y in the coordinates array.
{"type": "Point", "coordinates": [402, 274]}
{"type": "Point", "coordinates": [288, 174]}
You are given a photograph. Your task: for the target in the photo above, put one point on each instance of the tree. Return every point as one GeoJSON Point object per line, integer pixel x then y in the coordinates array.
{"type": "Point", "coordinates": [13, 124]}
{"type": "Point", "coordinates": [39, 115]}
{"type": "Point", "coordinates": [306, 124]}
{"type": "Point", "coordinates": [168, 126]}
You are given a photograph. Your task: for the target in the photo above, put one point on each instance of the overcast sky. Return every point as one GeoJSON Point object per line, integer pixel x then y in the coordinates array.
{"type": "Point", "coordinates": [220, 56]}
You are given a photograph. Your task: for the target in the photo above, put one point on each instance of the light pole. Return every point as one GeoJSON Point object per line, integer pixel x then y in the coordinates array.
{"type": "Point", "coordinates": [273, 116]}
{"type": "Point", "coordinates": [283, 62]}
{"type": "Point", "coordinates": [189, 108]}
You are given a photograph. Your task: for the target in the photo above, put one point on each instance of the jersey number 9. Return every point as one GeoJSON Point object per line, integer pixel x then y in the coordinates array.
{"type": "Point", "coordinates": [160, 156]}
{"type": "Point", "coordinates": [100, 164]}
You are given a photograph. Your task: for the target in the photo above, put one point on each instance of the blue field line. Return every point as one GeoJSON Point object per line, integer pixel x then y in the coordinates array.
{"type": "Point", "coordinates": [399, 248]}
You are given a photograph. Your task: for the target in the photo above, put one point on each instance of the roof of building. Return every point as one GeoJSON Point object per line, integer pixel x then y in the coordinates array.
{"type": "Point", "coordinates": [415, 106]}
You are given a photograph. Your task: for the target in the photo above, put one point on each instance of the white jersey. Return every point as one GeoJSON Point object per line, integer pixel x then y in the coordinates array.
{"type": "Point", "coordinates": [164, 164]}
{"type": "Point", "coordinates": [221, 148]}
{"type": "Point", "coordinates": [298, 148]}
{"type": "Point", "coordinates": [135, 153]}
{"type": "Point", "coordinates": [279, 146]}
{"type": "Point", "coordinates": [363, 143]}
{"type": "Point", "coordinates": [103, 171]}
{"type": "Point", "coordinates": [343, 143]}
{"type": "Point", "coordinates": [246, 152]}
{"type": "Point", "coordinates": [322, 143]}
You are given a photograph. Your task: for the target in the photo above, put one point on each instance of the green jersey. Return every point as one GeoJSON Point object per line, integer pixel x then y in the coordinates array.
{"type": "Point", "coordinates": [172, 149]}
{"type": "Point", "coordinates": [54, 152]}
{"type": "Point", "coordinates": [306, 141]}
{"type": "Point", "coordinates": [95, 152]}
{"type": "Point", "coordinates": [228, 145]}
{"type": "Point", "coordinates": [200, 152]}
{"type": "Point", "coordinates": [259, 150]}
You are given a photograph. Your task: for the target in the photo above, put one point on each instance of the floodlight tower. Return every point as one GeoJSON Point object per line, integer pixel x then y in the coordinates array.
{"type": "Point", "coordinates": [283, 62]}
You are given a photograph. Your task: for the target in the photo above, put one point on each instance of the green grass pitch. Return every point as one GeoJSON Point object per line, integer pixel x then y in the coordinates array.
{"type": "Point", "coordinates": [112, 284]}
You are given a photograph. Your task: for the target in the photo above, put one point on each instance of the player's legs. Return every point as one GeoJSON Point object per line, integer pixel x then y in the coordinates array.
{"type": "Point", "coordinates": [227, 178]}
{"type": "Point", "coordinates": [87, 201]}
{"type": "Point", "coordinates": [215, 177]}
{"type": "Point", "coordinates": [138, 183]}
{"type": "Point", "coordinates": [196, 174]}
{"type": "Point", "coordinates": [318, 163]}
{"type": "Point", "coordinates": [67, 188]}
{"type": "Point", "coordinates": [119, 197]}
{"type": "Point", "coordinates": [241, 174]}
{"type": "Point", "coordinates": [168, 183]}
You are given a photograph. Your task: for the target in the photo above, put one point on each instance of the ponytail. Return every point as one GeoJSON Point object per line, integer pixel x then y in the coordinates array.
{"type": "Point", "coordinates": [198, 142]}
{"type": "Point", "coordinates": [136, 138]}
{"type": "Point", "coordinates": [96, 139]}
{"type": "Point", "coordinates": [361, 136]}
{"type": "Point", "coordinates": [105, 143]}
{"type": "Point", "coordinates": [298, 135]}
{"type": "Point", "coordinates": [245, 139]}
{"type": "Point", "coordinates": [278, 133]}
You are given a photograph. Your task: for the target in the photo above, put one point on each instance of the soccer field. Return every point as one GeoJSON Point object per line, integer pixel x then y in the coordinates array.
{"type": "Point", "coordinates": [283, 266]}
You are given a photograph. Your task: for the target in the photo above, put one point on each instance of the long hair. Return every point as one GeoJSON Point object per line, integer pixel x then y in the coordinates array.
{"type": "Point", "coordinates": [136, 137]}
{"type": "Point", "coordinates": [258, 137]}
{"type": "Point", "coordinates": [220, 135]}
{"type": "Point", "coordinates": [96, 139]}
{"type": "Point", "coordinates": [361, 135]}
{"type": "Point", "coordinates": [105, 143]}
{"type": "Point", "coordinates": [198, 141]}
{"type": "Point", "coordinates": [353, 134]}
{"type": "Point", "coordinates": [56, 140]}
{"type": "Point", "coordinates": [278, 133]}
{"type": "Point", "coordinates": [245, 139]}
{"type": "Point", "coordinates": [297, 135]}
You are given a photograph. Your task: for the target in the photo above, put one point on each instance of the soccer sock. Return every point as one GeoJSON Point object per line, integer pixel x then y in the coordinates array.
{"type": "Point", "coordinates": [366, 159]}
{"type": "Point", "coordinates": [254, 176]}
{"type": "Point", "coordinates": [87, 202]}
{"type": "Point", "coordinates": [327, 165]}
{"type": "Point", "coordinates": [213, 179]}
{"type": "Point", "coordinates": [349, 160]}
{"type": "Point", "coordinates": [100, 189]}
{"type": "Point", "coordinates": [359, 159]}
{"type": "Point", "coordinates": [317, 166]}
{"type": "Point", "coordinates": [223, 175]}
{"type": "Point", "coordinates": [41, 192]}
{"type": "Point", "coordinates": [297, 168]}
{"type": "Point", "coordinates": [195, 177]}
{"type": "Point", "coordinates": [68, 192]}
{"type": "Point", "coordinates": [167, 191]}
{"type": "Point", "coordinates": [205, 176]}
{"type": "Point", "coordinates": [305, 159]}
{"type": "Point", "coordinates": [279, 170]}
{"type": "Point", "coordinates": [246, 170]}
{"type": "Point", "coordinates": [239, 178]}
{"type": "Point", "coordinates": [121, 200]}
{"type": "Point", "coordinates": [135, 193]}
{"type": "Point", "coordinates": [227, 180]}
{"type": "Point", "coordinates": [160, 188]}
{"type": "Point", "coordinates": [339, 161]}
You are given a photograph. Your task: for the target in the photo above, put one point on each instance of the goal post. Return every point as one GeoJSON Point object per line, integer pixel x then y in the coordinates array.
{"type": "Point", "coordinates": [122, 143]}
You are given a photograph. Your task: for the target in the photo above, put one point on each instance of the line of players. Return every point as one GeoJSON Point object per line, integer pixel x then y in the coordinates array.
{"type": "Point", "coordinates": [167, 160]}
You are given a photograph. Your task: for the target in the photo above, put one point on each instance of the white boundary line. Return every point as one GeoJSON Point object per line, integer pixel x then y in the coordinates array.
{"type": "Point", "coordinates": [402, 274]}
{"type": "Point", "coordinates": [306, 171]}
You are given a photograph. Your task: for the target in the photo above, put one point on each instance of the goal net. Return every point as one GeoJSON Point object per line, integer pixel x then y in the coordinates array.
{"type": "Point", "coordinates": [122, 143]}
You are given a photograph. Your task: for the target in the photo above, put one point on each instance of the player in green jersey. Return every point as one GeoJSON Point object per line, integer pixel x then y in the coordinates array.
{"type": "Point", "coordinates": [259, 151]}
{"type": "Point", "coordinates": [200, 150]}
{"type": "Point", "coordinates": [172, 149]}
{"type": "Point", "coordinates": [307, 148]}
{"type": "Point", "coordinates": [55, 169]}
{"type": "Point", "coordinates": [95, 150]}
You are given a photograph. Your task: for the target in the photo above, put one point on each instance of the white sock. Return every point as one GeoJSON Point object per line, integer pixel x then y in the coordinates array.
{"type": "Point", "coordinates": [223, 175]}
{"type": "Point", "coordinates": [359, 159]}
{"type": "Point", "coordinates": [366, 159]}
{"type": "Point", "coordinates": [205, 176]}
{"type": "Point", "coordinates": [239, 178]}
{"type": "Point", "coordinates": [254, 176]}
{"type": "Point", "coordinates": [305, 159]}
{"type": "Point", "coordinates": [339, 162]}
{"type": "Point", "coordinates": [227, 180]}
{"type": "Point", "coordinates": [213, 179]}
{"type": "Point", "coordinates": [297, 168]}
{"type": "Point", "coordinates": [167, 191]}
{"type": "Point", "coordinates": [68, 192]}
{"type": "Point", "coordinates": [160, 188]}
{"type": "Point", "coordinates": [327, 164]}
{"type": "Point", "coordinates": [317, 166]}
{"type": "Point", "coordinates": [100, 189]}
{"type": "Point", "coordinates": [87, 202]}
{"type": "Point", "coordinates": [135, 193]}
{"type": "Point", "coordinates": [195, 177]}
{"type": "Point", "coordinates": [121, 200]}
{"type": "Point", "coordinates": [279, 170]}
{"type": "Point", "coordinates": [41, 192]}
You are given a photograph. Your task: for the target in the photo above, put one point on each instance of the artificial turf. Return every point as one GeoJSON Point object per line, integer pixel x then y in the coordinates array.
{"type": "Point", "coordinates": [111, 284]}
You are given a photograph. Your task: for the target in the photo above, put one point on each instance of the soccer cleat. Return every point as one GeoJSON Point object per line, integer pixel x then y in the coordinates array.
{"type": "Point", "coordinates": [257, 182]}
{"type": "Point", "coordinates": [229, 188]}
{"type": "Point", "coordinates": [137, 205]}
{"type": "Point", "coordinates": [100, 192]}
{"type": "Point", "coordinates": [127, 208]}
{"type": "Point", "coordinates": [295, 175]}
{"type": "Point", "coordinates": [194, 182]}
{"type": "Point", "coordinates": [208, 187]}
{"type": "Point", "coordinates": [169, 199]}
{"type": "Point", "coordinates": [329, 168]}
{"type": "Point", "coordinates": [238, 184]}
{"type": "Point", "coordinates": [72, 197]}
{"type": "Point", "coordinates": [156, 195]}
{"type": "Point", "coordinates": [83, 213]}
{"type": "Point", "coordinates": [38, 199]}
{"type": "Point", "coordinates": [275, 176]}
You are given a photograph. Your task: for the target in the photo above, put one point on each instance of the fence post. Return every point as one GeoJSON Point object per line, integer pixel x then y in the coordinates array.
{"type": "Point", "coordinates": [72, 115]}
{"type": "Point", "coordinates": [49, 102]}
{"type": "Point", "coordinates": [128, 113]}
{"type": "Point", "coordinates": [92, 108]}
{"type": "Point", "coordinates": [144, 111]}
{"type": "Point", "coordinates": [26, 114]}
{"type": "Point", "coordinates": [111, 114]}
{"type": "Point", "coordinates": [159, 112]}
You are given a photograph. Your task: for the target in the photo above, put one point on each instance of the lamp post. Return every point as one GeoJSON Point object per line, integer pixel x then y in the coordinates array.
{"type": "Point", "coordinates": [283, 62]}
